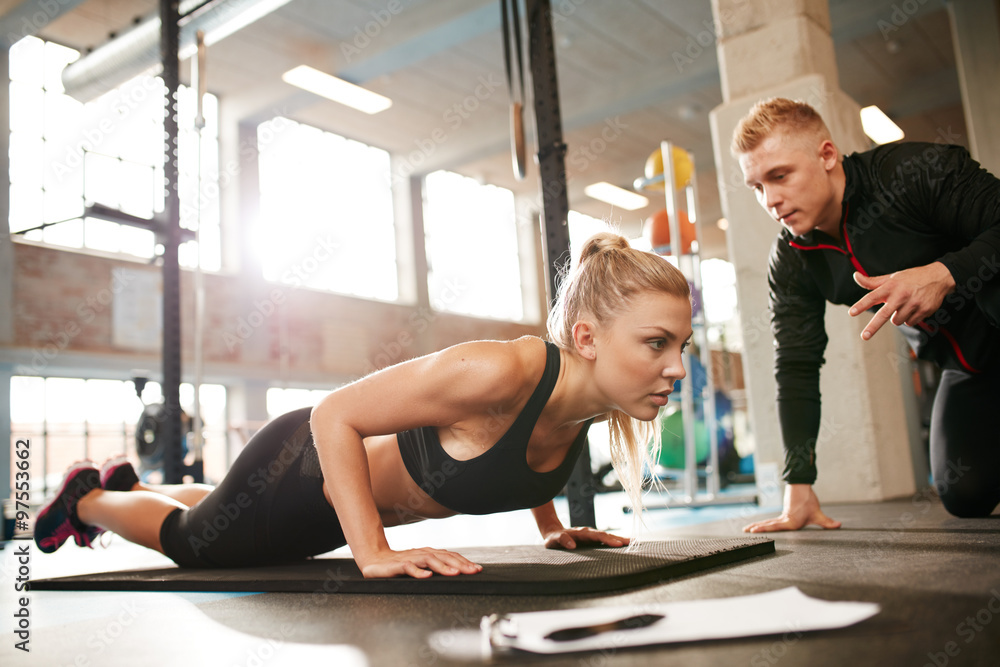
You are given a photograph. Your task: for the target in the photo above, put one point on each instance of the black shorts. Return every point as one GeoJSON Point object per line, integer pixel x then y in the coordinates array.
{"type": "Point", "coordinates": [269, 508]}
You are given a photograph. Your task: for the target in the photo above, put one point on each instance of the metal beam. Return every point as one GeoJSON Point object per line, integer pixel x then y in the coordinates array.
{"type": "Point", "coordinates": [171, 383]}
{"type": "Point", "coordinates": [555, 207]}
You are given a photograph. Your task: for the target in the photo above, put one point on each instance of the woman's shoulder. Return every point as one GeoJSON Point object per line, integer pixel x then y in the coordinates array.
{"type": "Point", "coordinates": [503, 368]}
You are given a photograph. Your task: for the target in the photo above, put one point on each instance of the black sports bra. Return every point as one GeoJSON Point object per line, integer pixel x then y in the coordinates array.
{"type": "Point", "coordinates": [499, 479]}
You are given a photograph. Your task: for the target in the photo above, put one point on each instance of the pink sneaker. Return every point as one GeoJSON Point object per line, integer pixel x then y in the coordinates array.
{"type": "Point", "coordinates": [57, 521]}
{"type": "Point", "coordinates": [117, 474]}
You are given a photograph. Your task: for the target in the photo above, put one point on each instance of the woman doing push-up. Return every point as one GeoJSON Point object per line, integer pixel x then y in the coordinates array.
{"type": "Point", "coordinates": [477, 428]}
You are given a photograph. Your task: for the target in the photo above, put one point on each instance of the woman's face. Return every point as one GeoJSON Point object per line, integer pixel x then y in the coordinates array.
{"type": "Point", "coordinates": [638, 353]}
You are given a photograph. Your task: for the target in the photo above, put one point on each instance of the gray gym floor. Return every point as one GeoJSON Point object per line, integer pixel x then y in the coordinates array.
{"type": "Point", "coordinates": [937, 579]}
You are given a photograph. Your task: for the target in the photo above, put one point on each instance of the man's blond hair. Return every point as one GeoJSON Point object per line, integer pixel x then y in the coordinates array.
{"type": "Point", "coordinates": [767, 116]}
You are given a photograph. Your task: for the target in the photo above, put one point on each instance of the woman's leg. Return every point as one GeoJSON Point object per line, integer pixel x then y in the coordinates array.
{"type": "Point", "coordinates": [269, 508]}
{"type": "Point", "coordinates": [135, 515]}
{"type": "Point", "coordinates": [965, 442]}
{"type": "Point", "coordinates": [188, 495]}
{"type": "Point", "coordinates": [118, 474]}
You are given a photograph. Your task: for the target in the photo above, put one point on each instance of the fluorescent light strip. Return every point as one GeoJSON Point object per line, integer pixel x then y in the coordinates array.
{"type": "Point", "coordinates": [335, 89]}
{"type": "Point", "coordinates": [616, 196]}
{"type": "Point", "coordinates": [878, 126]}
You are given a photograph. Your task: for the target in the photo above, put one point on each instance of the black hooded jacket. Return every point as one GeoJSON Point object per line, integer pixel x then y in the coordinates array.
{"type": "Point", "coordinates": [905, 205]}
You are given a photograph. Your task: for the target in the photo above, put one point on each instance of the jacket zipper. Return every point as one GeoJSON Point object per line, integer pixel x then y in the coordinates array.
{"type": "Point", "coordinates": [849, 253]}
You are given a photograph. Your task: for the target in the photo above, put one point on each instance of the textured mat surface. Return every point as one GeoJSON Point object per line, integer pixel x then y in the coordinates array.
{"type": "Point", "coordinates": [514, 570]}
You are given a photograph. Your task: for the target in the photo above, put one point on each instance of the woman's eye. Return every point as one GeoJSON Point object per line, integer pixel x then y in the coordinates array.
{"type": "Point", "coordinates": [685, 345]}
{"type": "Point", "coordinates": [657, 344]}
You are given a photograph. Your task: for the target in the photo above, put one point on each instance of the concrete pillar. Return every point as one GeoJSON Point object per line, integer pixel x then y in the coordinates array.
{"type": "Point", "coordinates": [767, 49]}
{"type": "Point", "coordinates": [975, 32]}
{"type": "Point", "coordinates": [6, 373]}
{"type": "Point", "coordinates": [529, 248]}
{"type": "Point", "coordinates": [246, 412]}
{"type": "Point", "coordinates": [6, 247]}
{"type": "Point", "coordinates": [6, 274]}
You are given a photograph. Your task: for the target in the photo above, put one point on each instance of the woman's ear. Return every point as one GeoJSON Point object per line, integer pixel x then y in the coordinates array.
{"type": "Point", "coordinates": [583, 340]}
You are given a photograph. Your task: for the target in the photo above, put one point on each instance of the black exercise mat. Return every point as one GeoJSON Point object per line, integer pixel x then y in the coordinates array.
{"type": "Point", "coordinates": [513, 570]}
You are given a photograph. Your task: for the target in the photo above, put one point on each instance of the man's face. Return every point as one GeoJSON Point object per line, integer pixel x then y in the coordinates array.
{"type": "Point", "coordinates": [790, 176]}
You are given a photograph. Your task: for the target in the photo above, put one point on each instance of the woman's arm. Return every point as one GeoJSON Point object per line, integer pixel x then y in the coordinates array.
{"type": "Point", "coordinates": [438, 390]}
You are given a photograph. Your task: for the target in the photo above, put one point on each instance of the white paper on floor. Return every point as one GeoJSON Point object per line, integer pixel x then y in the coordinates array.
{"type": "Point", "coordinates": [788, 610]}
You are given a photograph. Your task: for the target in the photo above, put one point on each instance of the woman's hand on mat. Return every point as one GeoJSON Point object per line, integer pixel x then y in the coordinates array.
{"type": "Point", "coordinates": [568, 538]}
{"type": "Point", "coordinates": [801, 509]}
{"type": "Point", "coordinates": [418, 563]}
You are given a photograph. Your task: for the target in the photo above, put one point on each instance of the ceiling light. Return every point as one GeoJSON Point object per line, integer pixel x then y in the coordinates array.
{"type": "Point", "coordinates": [616, 196]}
{"type": "Point", "coordinates": [335, 89]}
{"type": "Point", "coordinates": [878, 127]}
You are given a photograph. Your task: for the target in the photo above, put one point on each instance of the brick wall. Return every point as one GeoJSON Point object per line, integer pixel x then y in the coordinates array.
{"type": "Point", "coordinates": [63, 303]}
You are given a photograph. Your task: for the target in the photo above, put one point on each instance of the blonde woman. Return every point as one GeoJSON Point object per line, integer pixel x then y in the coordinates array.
{"type": "Point", "coordinates": [476, 428]}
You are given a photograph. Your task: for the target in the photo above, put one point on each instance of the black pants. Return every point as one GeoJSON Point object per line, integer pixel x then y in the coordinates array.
{"type": "Point", "coordinates": [269, 509]}
{"type": "Point", "coordinates": [965, 442]}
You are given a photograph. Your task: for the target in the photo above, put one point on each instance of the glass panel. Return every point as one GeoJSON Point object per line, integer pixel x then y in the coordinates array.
{"type": "Point", "coordinates": [27, 160]}
{"type": "Point", "coordinates": [65, 403]}
{"type": "Point", "coordinates": [326, 212]}
{"type": "Point", "coordinates": [134, 188]}
{"type": "Point", "coordinates": [135, 241]}
{"type": "Point", "coordinates": [472, 254]}
{"type": "Point", "coordinates": [26, 61]}
{"type": "Point", "coordinates": [68, 234]}
{"type": "Point", "coordinates": [25, 207]}
{"type": "Point", "coordinates": [103, 235]}
{"type": "Point", "coordinates": [27, 401]}
{"type": "Point", "coordinates": [281, 400]}
{"type": "Point", "coordinates": [124, 124]}
{"type": "Point", "coordinates": [26, 109]}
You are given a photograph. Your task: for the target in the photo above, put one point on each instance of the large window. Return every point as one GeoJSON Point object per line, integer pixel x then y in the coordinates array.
{"type": "Point", "coordinates": [65, 155]}
{"type": "Point", "coordinates": [285, 399]}
{"type": "Point", "coordinates": [70, 419]}
{"type": "Point", "coordinates": [472, 249]}
{"type": "Point", "coordinates": [326, 218]}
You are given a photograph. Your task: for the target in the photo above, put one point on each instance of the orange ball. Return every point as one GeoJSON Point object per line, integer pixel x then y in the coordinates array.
{"type": "Point", "coordinates": [657, 230]}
